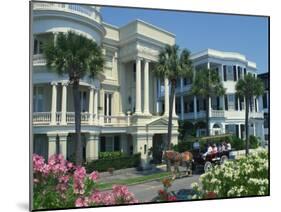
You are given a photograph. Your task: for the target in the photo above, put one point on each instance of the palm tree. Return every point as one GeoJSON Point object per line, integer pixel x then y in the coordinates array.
{"type": "Point", "coordinates": [248, 88]}
{"type": "Point", "coordinates": [173, 64]}
{"type": "Point", "coordinates": [77, 56]}
{"type": "Point", "coordinates": [207, 84]}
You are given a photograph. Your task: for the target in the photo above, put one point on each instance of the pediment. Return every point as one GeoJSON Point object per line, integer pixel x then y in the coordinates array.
{"type": "Point", "coordinates": [158, 122]}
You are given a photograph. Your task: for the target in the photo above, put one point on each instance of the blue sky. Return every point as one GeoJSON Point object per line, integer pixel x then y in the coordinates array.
{"type": "Point", "coordinates": [197, 31]}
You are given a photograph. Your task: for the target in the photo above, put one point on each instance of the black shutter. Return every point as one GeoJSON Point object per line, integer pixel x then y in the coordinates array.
{"type": "Point", "coordinates": [237, 130]}
{"type": "Point", "coordinates": [245, 71]}
{"type": "Point", "coordinates": [198, 108]}
{"type": "Point", "coordinates": [218, 102]}
{"type": "Point", "coordinates": [239, 72]}
{"type": "Point", "coordinates": [102, 144]}
{"type": "Point", "coordinates": [256, 109]}
{"type": "Point", "coordinates": [242, 131]}
{"type": "Point", "coordinates": [204, 104]}
{"type": "Point", "coordinates": [225, 102]}
{"type": "Point", "coordinates": [234, 73]}
{"type": "Point", "coordinates": [224, 73]}
{"type": "Point", "coordinates": [116, 143]}
{"type": "Point", "coordinates": [236, 102]}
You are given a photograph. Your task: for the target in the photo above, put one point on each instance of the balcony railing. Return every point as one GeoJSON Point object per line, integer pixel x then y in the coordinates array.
{"type": "Point", "coordinates": [217, 113]}
{"type": "Point", "coordinates": [83, 10]}
{"type": "Point", "coordinates": [39, 60]}
{"type": "Point", "coordinates": [45, 118]}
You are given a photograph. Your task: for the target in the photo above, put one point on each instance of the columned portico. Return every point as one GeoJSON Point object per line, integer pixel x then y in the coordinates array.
{"type": "Point", "coordinates": [63, 144]}
{"type": "Point", "coordinates": [138, 86]}
{"type": "Point", "coordinates": [92, 147]}
{"type": "Point", "coordinates": [166, 85]}
{"type": "Point", "coordinates": [54, 103]}
{"type": "Point", "coordinates": [146, 88]}
{"type": "Point", "coordinates": [91, 98]}
{"type": "Point", "coordinates": [52, 144]}
{"type": "Point", "coordinates": [64, 102]}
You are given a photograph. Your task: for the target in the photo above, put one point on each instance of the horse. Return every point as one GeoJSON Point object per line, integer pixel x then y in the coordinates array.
{"type": "Point", "coordinates": [177, 158]}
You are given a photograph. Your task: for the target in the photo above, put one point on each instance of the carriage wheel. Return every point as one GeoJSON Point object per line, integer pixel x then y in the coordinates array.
{"type": "Point", "coordinates": [223, 159]}
{"type": "Point", "coordinates": [208, 166]}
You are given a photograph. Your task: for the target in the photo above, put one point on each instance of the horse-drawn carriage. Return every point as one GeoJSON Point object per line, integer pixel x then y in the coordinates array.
{"type": "Point", "coordinates": [209, 160]}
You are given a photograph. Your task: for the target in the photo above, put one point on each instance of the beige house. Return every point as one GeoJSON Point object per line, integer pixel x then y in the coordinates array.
{"type": "Point", "coordinates": [120, 112]}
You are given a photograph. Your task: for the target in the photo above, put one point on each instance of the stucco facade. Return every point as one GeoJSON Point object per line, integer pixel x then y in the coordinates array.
{"type": "Point", "coordinates": [127, 108]}
{"type": "Point", "coordinates": [119, 110]}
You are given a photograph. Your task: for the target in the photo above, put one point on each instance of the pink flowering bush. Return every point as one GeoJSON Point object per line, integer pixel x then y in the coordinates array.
{"type": "Point", "coordinates": [60, 184]}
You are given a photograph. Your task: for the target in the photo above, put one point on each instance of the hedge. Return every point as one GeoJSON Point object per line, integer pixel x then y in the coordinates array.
{"type": "Point", "coordinates": [122, 162]}
{"type": "Point", "coordinates": [110, 155]}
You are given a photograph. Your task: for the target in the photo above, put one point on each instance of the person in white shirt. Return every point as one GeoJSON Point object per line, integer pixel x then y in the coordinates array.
{"type": "Point", "coordinates": [209, 151]}
{"type": "Point", "coordinates": [196, 145]}
{"type": "Point", "coordinates": [228, 146]}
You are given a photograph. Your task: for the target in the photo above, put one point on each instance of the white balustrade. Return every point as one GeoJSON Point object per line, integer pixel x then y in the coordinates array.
{"type": "Point", "coordinates": [217, 113]}
{"type": "Point", "coordinates": [39, 59]}
{"type": "Point", "coordinates": [44, 118]}
{"type": "Point", "coordinates": [83, 10]}
{"type": "Point", "coordinates": [41, 118]}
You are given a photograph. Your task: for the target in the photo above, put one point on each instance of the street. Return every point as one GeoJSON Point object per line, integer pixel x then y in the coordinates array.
{"type": "Point", "coordinates": [147, 191]}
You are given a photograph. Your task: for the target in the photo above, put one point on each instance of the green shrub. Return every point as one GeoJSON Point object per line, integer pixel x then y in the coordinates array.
{"type": "Point", "coordinates": [124, 161]}
{"type": "Point", "coordinates": [236, 143]}
{"type": "Point", "coordinates": [110, 155]}
{"type": "Point", "coordinates": [247, 176]}
{"type": "Point", "coordinates": [254, 142]}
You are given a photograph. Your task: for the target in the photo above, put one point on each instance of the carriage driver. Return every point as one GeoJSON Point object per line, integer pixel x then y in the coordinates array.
{"type": "Point", "coordinates": [209, 150]}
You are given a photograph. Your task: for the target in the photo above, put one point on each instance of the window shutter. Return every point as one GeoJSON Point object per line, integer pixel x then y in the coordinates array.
{"type": "Point", "coordinates": [198, 108]}
{"type": "Point", "coordinates": [218, 102]}
{"type": "Point", "coordinates": [239, 72]}
{"type": "Point", "coordinates": [245, 71]}
{"type": "Point", "coordinates": [236, 102]}
{"type": "Point", "coordinates": [240, 102]}
{"type": "Point", "coordinates": [225, 102]}
{"type": "Point", "coordinates": [237, 130]}
{"type": "Point", "coordinates": [234, 73]}
{"type": "Point", "coordinates": [224, 73]}
{"type": "Point", "coordinates": [204, 104]}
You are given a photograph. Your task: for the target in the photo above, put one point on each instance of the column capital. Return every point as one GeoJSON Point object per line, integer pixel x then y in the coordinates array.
{"type": "Point", "coordinates": [64, 83]}
{"type": "Point", "coordinates": [54, 83]}
{"type": "Point", "coordinates": [91, 87]}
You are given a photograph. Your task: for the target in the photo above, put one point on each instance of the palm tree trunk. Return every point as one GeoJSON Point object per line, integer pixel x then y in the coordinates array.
{"type": "Point", "coordinates": [77, 111]}
{"type": "Point", "coordinates": [207, 117]}
{"type": "Point", "coordinates": [169, 136]}
{"type": "Point", "coordinates": [247, 125]}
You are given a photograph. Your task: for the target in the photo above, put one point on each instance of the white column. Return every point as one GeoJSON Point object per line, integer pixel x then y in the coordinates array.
{"type": "Point", "coordinates": [107, 104]}
{"type": "Point", "coordinates": [91, 102]}
{"type": "Point", "coordinates": [174, 107]}
{"type": "Point", "coordinates": [222, 74]}
{"type": "Point", "coordinates": [182, 108]}
{"type": "Point", "coordinates": [96, 104]}
{"type": "Point", "coordinates": [138, 87]}
{"type": "Point", "coordinates": [92, 147]}
{"type": "Point", "coordinates": [195, 106]}
{"type": "Point", "coordinates": [63, 144]}
{"type": "Point", "coordinates": [146, 88]}
{"type": "Point", "coordinates": [52, 147]}
{"type": "Point", "coordinates": [63, 104]}
{"type": "Point", "coordinates": [54, 103]}
{"type": "Point", "coordinates": [166, 83]}
{"type": "Point", "coordinates": [181, 84]}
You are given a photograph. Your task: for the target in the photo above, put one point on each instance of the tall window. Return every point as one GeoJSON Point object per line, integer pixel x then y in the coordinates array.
{"type": "Point", "coordinates": [107, 104]}
{"type": "Point", "coordinates": [83, 99]}
{"type": "Point", "coordinates": [231, 101]}
{"type": "Point", "coordinates": [38, 99]}
{"type": "Point", "coordinates": [37, 46]}
{"type": "Point", "coordinates": [230, 73]}
{"type": "Point", "coordinates": [264, 100]}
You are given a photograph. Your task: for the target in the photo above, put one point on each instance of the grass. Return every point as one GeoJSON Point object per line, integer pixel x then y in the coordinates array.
{"type": "Point", "coordinates": [132, 181]}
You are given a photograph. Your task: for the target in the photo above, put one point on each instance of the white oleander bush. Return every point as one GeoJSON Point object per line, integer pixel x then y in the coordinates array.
{"type": "Point", "coordinates": [247, 176]}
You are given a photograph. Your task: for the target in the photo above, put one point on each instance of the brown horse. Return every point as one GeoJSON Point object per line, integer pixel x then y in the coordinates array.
{"type": "Point", "coordinates": [177, 159]}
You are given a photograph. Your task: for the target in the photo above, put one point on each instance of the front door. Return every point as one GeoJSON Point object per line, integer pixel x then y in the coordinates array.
{"type": "Point", "coordinates": [157, 148]}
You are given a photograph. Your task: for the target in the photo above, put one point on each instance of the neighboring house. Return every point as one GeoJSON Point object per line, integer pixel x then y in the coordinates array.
{"type": "Point", "coordinates": [119, 111]}
{"type": "Point", "coordinates": [265, 102]}
{"type": "Point", "coordinates": [227, 113]}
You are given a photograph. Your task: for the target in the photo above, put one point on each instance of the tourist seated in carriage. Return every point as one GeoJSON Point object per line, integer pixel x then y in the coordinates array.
{"type": "Point", "coordinates": [209, 151]}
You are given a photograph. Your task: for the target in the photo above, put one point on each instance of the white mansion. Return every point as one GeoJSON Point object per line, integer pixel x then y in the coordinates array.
{"type": "Point", "coordinates": [127, 109]}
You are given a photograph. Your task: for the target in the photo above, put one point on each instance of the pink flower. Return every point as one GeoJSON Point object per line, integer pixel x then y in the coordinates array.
{"type": "Point", "coordinates": [94, 176]}
{"type": "Point", "coordinates": [78, 180]}
{"type": "Point", "coordinates": [38, 163]}
{"type": "Point", "coordinates": [172, 198]}
{"type": "Point", "coordinates": [82, 202]}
